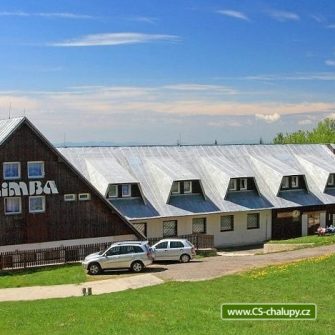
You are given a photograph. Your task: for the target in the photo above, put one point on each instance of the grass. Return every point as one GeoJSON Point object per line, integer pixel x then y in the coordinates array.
{"type": "Point", "coordinates": [317, 240]}
{"type": "Point", "coordinates": [185, 307]}
{"type": "Point", "coordinates": [51, 275]}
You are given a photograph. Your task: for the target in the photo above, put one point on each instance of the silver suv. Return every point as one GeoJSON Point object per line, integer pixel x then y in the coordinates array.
{"type": "Point", "coordinates": [133, 255]}
{"type": "Point", "coordinates": [173, 249]}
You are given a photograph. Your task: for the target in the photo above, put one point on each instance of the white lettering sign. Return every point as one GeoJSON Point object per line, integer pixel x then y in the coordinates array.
{"type": "Point", "coordinates": [35, 187]}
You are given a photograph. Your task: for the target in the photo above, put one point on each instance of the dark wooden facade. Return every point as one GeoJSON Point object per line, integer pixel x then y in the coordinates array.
{"type": "Point", "coordinates": [61, 220]}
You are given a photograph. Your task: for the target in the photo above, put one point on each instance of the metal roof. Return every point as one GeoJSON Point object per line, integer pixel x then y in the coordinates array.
{"type": "Point", "coordinates": [8, 126]}
{"type": "Point", "coordinates": [156, 167]}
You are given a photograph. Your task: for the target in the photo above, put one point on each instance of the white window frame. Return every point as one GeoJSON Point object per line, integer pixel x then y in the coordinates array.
{"type": "Point", "coordinates": [11, 178]}
{"type": "Point", "coordinates": [70, 197]}
{"type": "Point", "coordinates": [295, 181]}
{"type": "Point", "coordinates": [190, 189]}
{"type": "Point", "coordinates": [84, 196]}
{"type": "Point", "coordinates": [34, 162]}
{"type": "Point", "coordinates": [245, 185]}
{"type": "Point", "coordinates": [13, 213]}
{"type": "Point", "coordinates": [43, 204]}
{"type": "Point", "coordinates": [285, 182]}
{"type": "Point", "coordinates": [126, 195]}
{"type": "Point", "coordinates": [113, 194]}
{"type": "Point", "coordinates": [232, 184]}
{"type": "Point", "coordinates": [178, 187]}
{"type": "Point", "coordinates": [331, 180]}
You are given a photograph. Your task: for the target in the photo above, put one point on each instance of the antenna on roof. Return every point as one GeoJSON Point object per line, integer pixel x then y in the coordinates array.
{"type": "Point", "coordinates": [64, 144]}
{"type": "Point", "coordinates": [179, 140]}
{"type": "Point", "coordinates": [9, 110]}
{"type": "Point", "coordinates": [216, 142]}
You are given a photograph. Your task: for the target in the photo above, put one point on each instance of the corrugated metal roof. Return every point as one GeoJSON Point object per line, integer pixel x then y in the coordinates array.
{"type": "Point", "coordinates": [8, 126]}
{"type": "Point", "coordinates": [155, 168]}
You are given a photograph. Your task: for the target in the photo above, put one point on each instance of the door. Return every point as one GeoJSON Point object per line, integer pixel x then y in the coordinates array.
{"type": "Point", "coordinates": [112, 258]}
{"type": "Point", "coordinates": [176, 249]}
{"type": "Point", "coordinates": [313, 222]}
{"type": "Point", "coordinates": [161, 251]}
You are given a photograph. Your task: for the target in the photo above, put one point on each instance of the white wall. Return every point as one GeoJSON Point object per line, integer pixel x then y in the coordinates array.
{"type": "Point", "coordinates": [239, 237]}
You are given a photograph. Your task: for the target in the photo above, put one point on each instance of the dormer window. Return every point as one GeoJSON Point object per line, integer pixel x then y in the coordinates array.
{"type": "Point", "coordinates": [331, 180]}
{"type": "Point", "coordinates": [175, 188]}
{"type": "Point", "coordinates": [295, 181]}
{"type": "Point", "coordinates": [233, 185]}
{"type": "Point", "coordinates": [126, 190]}
{"type": "Point", "coordinates": [286, 183]}
{"type": "Point", "coordinates": [187, 186]}
{"type": "Point", "coordinates": [243, 184]}
{"type": "Point", "coordinates": [113, 191]}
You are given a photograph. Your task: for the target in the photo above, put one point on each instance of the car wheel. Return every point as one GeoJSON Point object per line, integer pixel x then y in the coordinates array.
{"type": "Point", "coordinates": [185, 258]}
{"type": "Point", "coordinates": [94, 269]}
{"type": "Point", "coordinates": [137, 266]}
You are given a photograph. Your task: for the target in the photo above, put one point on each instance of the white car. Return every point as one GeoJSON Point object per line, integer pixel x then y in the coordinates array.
{"type": "Point", "coordinates": [173, 249]}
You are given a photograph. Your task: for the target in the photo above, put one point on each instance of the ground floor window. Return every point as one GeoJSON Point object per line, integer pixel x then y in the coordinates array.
{"type": "Point", "coordinates": [253, 221]}
{"type": "Point", "coordinates": [170, 228]}
{"type": "Point", "coordinates": [37, 204]}
{"type": "Point", "coordinates": [13, 205]}
{"type": "Point", "coordinates": [227, 223]}
{"type": "Point", "coordinates": [199, 226]}
{"type": "Point", "coordinates": [141, 227]}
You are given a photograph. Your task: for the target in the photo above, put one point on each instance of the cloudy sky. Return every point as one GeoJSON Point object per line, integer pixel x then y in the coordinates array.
{"type": "Point", "coordinates": [155, 72]}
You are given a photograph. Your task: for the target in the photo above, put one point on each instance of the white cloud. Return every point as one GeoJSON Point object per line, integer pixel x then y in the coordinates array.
{"type": "Point", "coordinates": [110, 39]}
{"type": "Point", "coordinates": [330, 62]}
{"type": "Point", "coordinates": [326, 76]}
{"type": "Point", "coordinates": [48, 15]}
{"type": "Point", "coordinates": [318, 18]}
{"type": "Point", "coordinates": [144, 19]}
{"type": "Point", "coordinates": [331, 26]}
{"type": "Point", "coordinates": [283, 16]}
{"type": "Point", "coordinates": [268, 117]}
{"type": "Point", "coordinates": [305, 122]}
{"type": "Point", "coordinates": [189, 87]}
{"type": "Point", "coordinates": [234, 13]}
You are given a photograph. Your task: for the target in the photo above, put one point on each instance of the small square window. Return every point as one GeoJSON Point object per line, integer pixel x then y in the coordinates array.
{"type": "Point", "coordinates": [37, 204]}
{"type": "Point", "coordinates": [331, 180]}
{"type": "Point", "coordinates": [295, 181]}
{"type": "Point", "coordinates": [199, 226]}
{"type": "Point", "coordinates": [11, 170]}
{"type": "Point", "coordinates": [141, 227]}
{"type": "Point", "coordinates": [126, 190]}
{"type": "Point", "coordinates": [84, 196]}
{"type": "Point", "coordinates": [285, 183]}
{"type": "Point", "coordinates": [253, 221]}
{"type": "Point", "coordinates": [70, 197]}
{"type": "Point", "coordinates": [232, 185]}
{"type": "Point", "coordinates": [175, 187]}
{"type": "Point", "coordinates": [35, 169]}
{"type": "Point", "coordinates": [188, 186]}
{"type": "Point", "coordinates": [243, 184]}
{"type": "Point", "coordinates": [227, 223]}
{"type": "Point", "coordinates": [170, 228]}
{"type": "Point", "coordinates": [13, 205]}
{"type": "Point", "coordinates": [113, 191]}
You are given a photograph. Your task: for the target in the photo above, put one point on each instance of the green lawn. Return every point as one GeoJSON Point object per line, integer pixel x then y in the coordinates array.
{"type": "Point", "coordinates": [51, 275]}
{"type": "Point", "coordinates": [317, 240]}
{"type": "Point", "coordinates": [185, 308]}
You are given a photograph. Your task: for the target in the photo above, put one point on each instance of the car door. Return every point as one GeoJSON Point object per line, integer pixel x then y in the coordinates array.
{"type": "Point", "coordinates": [176, 249]}
{"type": "Point", "coordinates": [112, 258]}
{"type": "Point", "coordinates": [161, 251]}
{"type": "Point", "coordinates": [127, 254]}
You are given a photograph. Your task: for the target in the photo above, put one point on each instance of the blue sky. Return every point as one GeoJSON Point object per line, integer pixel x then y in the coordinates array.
{"type": "Point", "coordinates": [156, 71]}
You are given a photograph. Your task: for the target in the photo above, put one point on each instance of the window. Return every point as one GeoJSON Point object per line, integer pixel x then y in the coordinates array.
{"type": "Point", "coordinates": [227, 223]}
{"type": "Point", "coordinates": [162, 245]}
{"type": "Point", "coordinates": [11, 170]}
{"type": "Point", "coordinates": [286, 182]}
{"type": "Point", "coordinates": [113, 191]}
{"type": "Point", "coordinates": [295, 181]}
{"type": "Point", "coordinates": [253, 221]}
{"type": "Point", "coordinates": [35, 169]}
{"type": "Point", "coordinates": [126, 190]}
{"type": "Point", "coordinates": [169, 228]}
{"type": "Point", "coordinates": [141, 227]}
{"type": "Point", "coordinates": [84, 196]}
{"type": "Point", "coordinates": [113, 251]}
{"type": "Point", "coordinates": [331, 180]}
{"type": "Point", "coordinates": [199, 225]}
{"type": "Point", "coordinates": [175, 187]}
{"type": "Point", "coordinates": [176, 244]}
{"type": "Point", "coordinates": [232, 185]}
{"type": "Point", "coordinates": [243, 184]}
{"type": "Point", "coordinates": [70, 197]}
{"type": "Point", "coordinates": [37, 204]}
{"type": "Point", "coordinates": [13, 205]}
{"type": "Point", "coordinates": [187, 187]}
